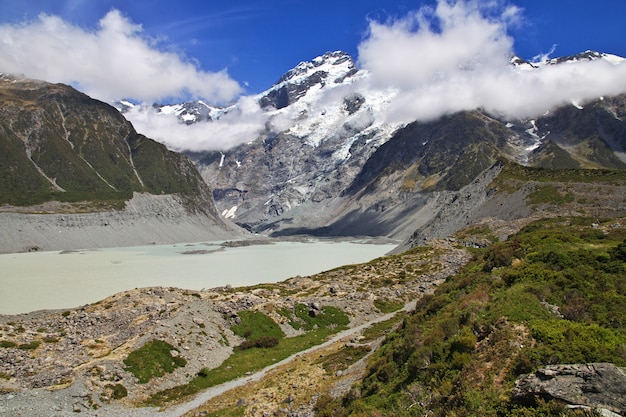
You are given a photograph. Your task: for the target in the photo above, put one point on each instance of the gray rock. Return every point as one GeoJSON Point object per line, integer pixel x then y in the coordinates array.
{"type": "Point", "coordinates": [598, 385]}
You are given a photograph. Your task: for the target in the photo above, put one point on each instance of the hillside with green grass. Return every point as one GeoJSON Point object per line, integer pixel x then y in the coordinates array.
{"type": "Point", "coordinates": [57, 144]}
{"type": "Point", "coordinates": [554, 293]}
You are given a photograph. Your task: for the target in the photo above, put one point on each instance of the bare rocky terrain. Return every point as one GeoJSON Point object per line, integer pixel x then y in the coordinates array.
{"type": "Point", "coordinates": [60, 362]}
{"type": "Point", "coordinates": [146, 219]}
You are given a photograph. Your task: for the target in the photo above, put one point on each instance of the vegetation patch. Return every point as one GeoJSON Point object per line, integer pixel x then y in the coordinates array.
{"type": "Point", "coordinates": [244, 361]}
{"type": "Point", "coordinates": [255, 324]}
{"type": "Point", "coordinates": [343, 358]}
{"type": "Point", "coordinates": [261, 342]}
{"type": "Point", "coordinates": [549, 194]}
{"type": "Point", "coordinates": [228, 412]}
{"type": "Point", "coordinates": [553, 293]}
{"type": "Point", "coordinates": [116, 391]}
{"type": "Point", "coordinates": [380, 329]}
{"type": "Point", "coordinates": [30, 345]}
{"type": "Point", "coordinates": [385, 305]}
{"type": "Point", "coordinates": [153, 359]}
{"type": "Point", "coordinates": [513, 171]}
{"type": "Point", "coordinates": [307, 319]}
{"type": "Point", "coordinates": [259, 330]}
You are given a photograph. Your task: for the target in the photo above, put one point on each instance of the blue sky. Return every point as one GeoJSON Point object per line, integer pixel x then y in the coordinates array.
{"type": "Point", "coordinates": [256, 42]}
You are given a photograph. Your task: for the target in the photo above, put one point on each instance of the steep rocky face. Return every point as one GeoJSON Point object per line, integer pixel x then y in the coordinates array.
{"type": "Point", "coordinates": [595, 385]}
{"type": "Point", "coordinates": [331, 68]}
{"type": "Point", "coordinates": [331, 132]}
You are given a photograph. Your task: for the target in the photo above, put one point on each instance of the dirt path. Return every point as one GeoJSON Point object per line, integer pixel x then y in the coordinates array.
{"type": "Point", "coordinates": [215, 391]}
{"type": "Point", "coordinates": [43, 402]}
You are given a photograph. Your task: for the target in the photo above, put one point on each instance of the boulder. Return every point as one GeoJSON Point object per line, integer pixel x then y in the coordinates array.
{"type": "Point", "coordinates": [597, 385]}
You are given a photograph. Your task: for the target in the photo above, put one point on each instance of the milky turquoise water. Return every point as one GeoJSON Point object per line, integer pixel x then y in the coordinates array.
{"type": "Point", "coordinates": [54, 280]}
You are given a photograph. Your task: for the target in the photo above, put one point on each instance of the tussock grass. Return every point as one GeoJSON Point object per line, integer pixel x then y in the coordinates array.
{"type": "Point", "coordinates": [153, 360]}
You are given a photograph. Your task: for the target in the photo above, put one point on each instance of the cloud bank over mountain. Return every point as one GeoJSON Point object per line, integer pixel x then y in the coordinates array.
{"type": "Point", "coordinates": [114, 61]}
{"type": "Point", "coordinates": [457, 57]}
{"type": "Point", "coordinates": [439, 60]}
{"type": "Point", "coordinates": [241, 125]}
{"type": "Point", "coordinates": [453, 57]}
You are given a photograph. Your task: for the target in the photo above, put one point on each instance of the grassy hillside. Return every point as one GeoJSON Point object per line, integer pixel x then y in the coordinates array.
{"type": "Point", "coordinates": [58, 144]}
{"type": "Point", "coordinates": [553, 293]}
{"type": "Point", "coordinates": [441, 155]}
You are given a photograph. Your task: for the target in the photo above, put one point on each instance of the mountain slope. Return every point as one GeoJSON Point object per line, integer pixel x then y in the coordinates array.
{"type": "Point", "coordinates": [327, 163]}
{"type": "Point", "coordinates": [594, 135]}
{"type": "Point", "coordinates": [57, 144]}
{"type": "Point", "coordinates": [540, 298]}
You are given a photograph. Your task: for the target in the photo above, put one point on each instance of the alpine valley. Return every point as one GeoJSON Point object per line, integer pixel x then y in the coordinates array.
{"type": "Point", "coordinates": [338, 170]}
{"type": "Point", "coordinates": [506, 294]}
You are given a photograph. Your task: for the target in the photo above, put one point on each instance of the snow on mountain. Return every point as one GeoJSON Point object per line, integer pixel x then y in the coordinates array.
{"type": "Point", "coordinates": [585, 57]}
{"type": "Point", "coordinates": [191, 112]}
{"type": "Point", "coordinates": [326, 97]}
{"type": "Point", "coordinates": [310, 135]}
{"type": "Point", "coordinates": [322, 122]}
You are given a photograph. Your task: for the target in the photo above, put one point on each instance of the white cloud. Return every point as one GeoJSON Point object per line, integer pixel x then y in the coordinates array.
{"type": "Point", "coordinates": [115, 61]}
{"type": "Point", "coordinates": [241, 125]}
{"type": "Point", "coordinates": [456, 57]}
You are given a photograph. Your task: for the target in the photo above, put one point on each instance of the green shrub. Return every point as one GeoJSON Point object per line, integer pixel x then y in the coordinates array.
{"type": "Point", "coordinates": [261, 342]}
{"type": "Point", "coordinates": [153, 360]}
{"type": "Point", "coordinates": [118, 391]}
{"type": "Point", "coordinates": [385, 305]}
{"type": "Point", "coordinates": [7, 344]}
{"type": "Point", "coordinates": [255, 325]}
{"type": "Point", "coordinates": [30, 346]}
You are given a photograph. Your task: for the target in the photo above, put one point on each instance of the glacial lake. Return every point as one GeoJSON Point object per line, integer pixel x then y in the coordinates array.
{"type": "Point", "coordinates": [57, 280]}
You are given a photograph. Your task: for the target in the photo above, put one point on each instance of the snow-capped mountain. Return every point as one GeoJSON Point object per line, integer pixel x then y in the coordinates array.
{"type": "Point", "coordinates": [324, 155]}
{"type": "Point", "coordinates": [320, 123]}
{"type": "Point", "coordinates": [585, 57]}
{"type": "Point", "coordinates": [322, 127]}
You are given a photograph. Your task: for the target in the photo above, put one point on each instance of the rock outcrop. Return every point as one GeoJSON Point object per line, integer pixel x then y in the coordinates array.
{"type": "Point", "coordinates": [596, 385]}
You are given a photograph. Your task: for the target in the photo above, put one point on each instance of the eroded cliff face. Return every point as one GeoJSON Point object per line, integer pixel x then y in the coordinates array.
{"type": "Point", "coordinates": [146, 219]}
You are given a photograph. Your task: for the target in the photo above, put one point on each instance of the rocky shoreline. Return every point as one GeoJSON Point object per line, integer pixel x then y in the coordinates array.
{"type": "Point", "coordinates": [146, 219]}
{"type": "Point", "coordinates": [70, 359]}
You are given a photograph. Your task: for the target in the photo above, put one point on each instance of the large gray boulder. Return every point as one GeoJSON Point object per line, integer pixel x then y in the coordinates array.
{"type": "Point", "coordinates": [597, 385]}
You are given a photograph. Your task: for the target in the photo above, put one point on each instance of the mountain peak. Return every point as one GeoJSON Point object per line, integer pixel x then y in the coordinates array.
{"type": "Point", "coordinates": [332, 67]}
{"type": "Point", "coordinates": [330, 62]}
{"type": "Point", "coordinates": [585, 56]}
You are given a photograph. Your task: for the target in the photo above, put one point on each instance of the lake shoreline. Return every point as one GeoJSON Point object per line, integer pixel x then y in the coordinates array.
{"type": "Point", "coordinates": [59, 280]}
